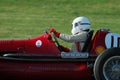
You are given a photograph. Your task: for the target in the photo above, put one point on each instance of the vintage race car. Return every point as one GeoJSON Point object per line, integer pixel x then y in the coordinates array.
{"type": "Point", "coordinates": [42, 58]}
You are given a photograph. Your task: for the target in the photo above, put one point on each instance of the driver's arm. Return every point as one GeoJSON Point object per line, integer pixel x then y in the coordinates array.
{"type": "Point", "coordinates": [80, 37]}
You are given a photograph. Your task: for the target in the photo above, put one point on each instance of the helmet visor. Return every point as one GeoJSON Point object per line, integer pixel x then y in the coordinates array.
{"type": "Point", "coordinates": [79, 23]}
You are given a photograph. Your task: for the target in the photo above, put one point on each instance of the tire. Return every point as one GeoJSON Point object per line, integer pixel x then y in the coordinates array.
{"type": "Point", "coordinates": [106, 64]}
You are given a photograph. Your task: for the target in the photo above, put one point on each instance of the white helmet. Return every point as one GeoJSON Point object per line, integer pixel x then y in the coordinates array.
{"type": "Point", "coordinates": [80, 23]}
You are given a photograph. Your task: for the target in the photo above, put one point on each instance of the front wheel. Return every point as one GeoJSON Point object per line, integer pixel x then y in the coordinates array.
{"type": "Point", "coordinates": [107, 65]}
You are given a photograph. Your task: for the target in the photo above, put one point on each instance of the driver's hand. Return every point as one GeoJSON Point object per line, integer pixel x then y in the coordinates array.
{"type": "Point", "coordinates": [52, 30]}
{"type": "Point", "coordinates": [65, 49]}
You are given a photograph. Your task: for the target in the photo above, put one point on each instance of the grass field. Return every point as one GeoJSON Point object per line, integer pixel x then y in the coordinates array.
{"type": "Point", "coordinates": [29, 18]}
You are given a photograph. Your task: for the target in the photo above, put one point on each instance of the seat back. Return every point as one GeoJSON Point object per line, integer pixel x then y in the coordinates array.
{"type": "Point", "coordinates": [88, 41]}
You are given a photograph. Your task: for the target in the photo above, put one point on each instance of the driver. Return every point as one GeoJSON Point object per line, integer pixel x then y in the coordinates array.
{"type": "Point", "coordinates": [80, 28]}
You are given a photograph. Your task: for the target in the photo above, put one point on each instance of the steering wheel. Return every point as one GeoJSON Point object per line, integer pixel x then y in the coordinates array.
{"type": "Point", "coordinates": [56, 41]}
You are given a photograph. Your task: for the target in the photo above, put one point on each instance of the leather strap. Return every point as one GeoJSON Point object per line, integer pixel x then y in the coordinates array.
{"type": "Point", "coordinates": [78, 46]}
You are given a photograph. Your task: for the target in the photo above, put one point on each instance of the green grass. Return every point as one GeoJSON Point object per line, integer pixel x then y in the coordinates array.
{"type": "Point", "coordinates": [29, 18]}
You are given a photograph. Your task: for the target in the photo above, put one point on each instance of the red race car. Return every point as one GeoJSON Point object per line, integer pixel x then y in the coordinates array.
{"type": "Point", "coordinates": [42, 58]}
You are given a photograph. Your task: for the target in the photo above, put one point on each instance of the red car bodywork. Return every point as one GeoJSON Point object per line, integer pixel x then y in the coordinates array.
{"type": "Point", "coordinates": [40, 58]}
{"type": "Point", "coordinates": [29, 45]}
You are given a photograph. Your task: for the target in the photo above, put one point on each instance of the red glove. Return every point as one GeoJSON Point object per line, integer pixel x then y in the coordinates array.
{"type": "Point", "coordinates": [65, 49]}
{"type": "Point", "coordinates": [57, 34]}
